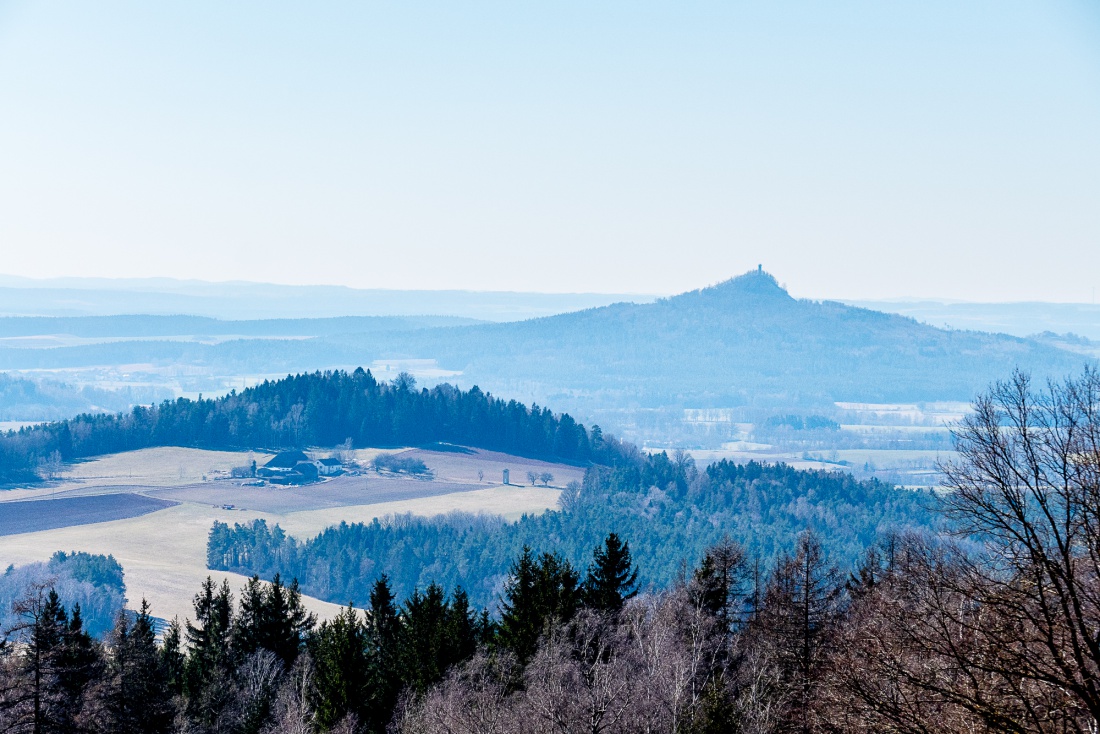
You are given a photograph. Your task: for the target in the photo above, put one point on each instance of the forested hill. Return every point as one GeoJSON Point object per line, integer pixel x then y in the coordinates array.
{"type": "Point", "coordinates": [744, 341]}
{"type": "Point", "coordinates": [669, 512]}
{"type": "Point", "coordinates": [318, 409]}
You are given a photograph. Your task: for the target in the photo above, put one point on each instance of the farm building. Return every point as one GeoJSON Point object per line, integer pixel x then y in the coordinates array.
{"type": "Point", "coordinates": [329, 467]}
{"type": "Point", "coordinates": [286, 460]}
{"type": "Point", "coordinates": [308, 470]}
{"type": "Point", "coordinates": [295, 467]}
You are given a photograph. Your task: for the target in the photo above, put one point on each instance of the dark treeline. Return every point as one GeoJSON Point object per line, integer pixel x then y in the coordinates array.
{"type": "Point", "coordinates": [318, 409]}
{"type": "Point", "coordinates": [669, 510]}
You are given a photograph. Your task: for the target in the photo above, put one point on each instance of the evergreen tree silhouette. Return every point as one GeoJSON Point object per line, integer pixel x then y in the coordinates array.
{"type": "Point", "coordinates": [612, 577]}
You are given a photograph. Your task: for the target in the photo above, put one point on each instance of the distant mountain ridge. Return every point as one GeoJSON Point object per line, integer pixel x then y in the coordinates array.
{"type": "Point", "coordinates": [1018, 319]}
{"type": "Point", "coordinates": [743, 341]}
{"type": "Point", "coordinates": [742, 344]}
{"type": "Point", "coordinates": [248, 300]}
{"type": "Point", "coordinates": [145, 325]}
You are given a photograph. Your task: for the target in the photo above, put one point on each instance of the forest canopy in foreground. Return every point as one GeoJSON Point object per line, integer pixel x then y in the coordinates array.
{"type": "Point", "coordinates": [318, 409]}
{"type": "Point", "coordinates": [669, 511]}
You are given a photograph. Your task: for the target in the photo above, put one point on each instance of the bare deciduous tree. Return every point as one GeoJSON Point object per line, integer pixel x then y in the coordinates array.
{"type": "Point", "coordinates": [1028, 483]}
{"type": "Point", "coordinates": [675, 651]}
{"type": "Point", "coordinates": [471, 700]}
{"type": "Point", "coordinates": [292, 713]}
{"type": "Point", "coordinates": [999, 631]}
{"type": "Point", "coordinates": [577, 682]}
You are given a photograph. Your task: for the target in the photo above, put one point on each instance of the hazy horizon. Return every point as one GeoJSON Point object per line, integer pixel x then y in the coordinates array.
{"type": "Point", "coordinates": [859, 150]}
{"type": "Point", "coordinates": [9, 280]}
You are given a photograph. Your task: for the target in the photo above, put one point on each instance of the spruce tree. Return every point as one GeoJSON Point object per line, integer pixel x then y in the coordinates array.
{"type": "Point", "coordinates": [612, 578]}
{"type": "Point", "coordinates": [462, 633]}
{"type": "Point", "coordinates": [288, 621]}
{"type": "Point", "coordinates": [172, 659]}
{"type": "Point", "coordinates": [135, 691]}
{"type": "Point", "coordinates": [536, 593]}
{"type": "Point", "coordinates": [384, 674]}
{"type": "Point", "coordinates": [717, 583]}
{"type": "Point", "coordinates": [250, 622]}
{"type": "Point", "coordinates": [271, 617]}
{"type": "Point", "coordinates": [338, 649]}
{"type": "Point", "coordinates": [423, 643]}
{"type": "Point", "coordinates": [209, 665]}
{"type": "Point", "coordinates": [520, 617]}
{"type": "Point", "coordinates": [56, 661]}
{"type": "Point", "coordinates": [79, 662]}
{"type": "Point", "coordinates": [37, 696]}
{"type": "Point", "coordinates": [209, 637]}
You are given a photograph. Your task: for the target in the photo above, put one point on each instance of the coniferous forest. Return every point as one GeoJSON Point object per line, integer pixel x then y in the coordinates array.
{"type": "Point", "coordinates": [318, 409]}
{"type": "Point", "coordinates": [671, 512]}
{"type": "Point", "coordinates": [984, 624]}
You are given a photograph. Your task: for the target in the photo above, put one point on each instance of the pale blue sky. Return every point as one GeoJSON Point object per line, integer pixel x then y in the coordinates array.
{"type": "Point", "coordinates": [857, 149]}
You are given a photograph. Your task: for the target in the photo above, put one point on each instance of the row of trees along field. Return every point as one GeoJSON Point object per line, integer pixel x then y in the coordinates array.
{"type": "Point", "coordinates": [925, 634]}
{"type": "Point", "coordinates": [318, 409]}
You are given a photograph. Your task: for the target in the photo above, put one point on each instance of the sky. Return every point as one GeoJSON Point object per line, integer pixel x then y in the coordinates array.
{"type": "Point", "coordinates": [858, 150]}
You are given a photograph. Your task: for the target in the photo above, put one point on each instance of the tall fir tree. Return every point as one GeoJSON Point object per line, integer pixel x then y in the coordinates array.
{"type": "Point", "coordinates": [271, 617]}
{"type": "Point", "coordinates": [537, 593]}
{"type": "Point", "coordinates": [56, 660]}
{"type": "Point", "coordinates": [338, 649]}
{"type": "Point", "coordinates": [134, 694]}
{"type": "Point", "coordinates": [612, 578]}
{"type": "Point", "coordinates": [423, 645]}
{"type": "Point", "coordinates": [384, 674]}
{"type": "Point", "coordinates": [210, 663]}
{"type": "Point", "coordinates": [172, 659]}
{"type": "Point", "coordinates": [717, 583]}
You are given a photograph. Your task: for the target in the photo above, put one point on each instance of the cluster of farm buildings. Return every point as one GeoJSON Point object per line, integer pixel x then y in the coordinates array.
{"type": "Point", "coordinates": [292, 467]}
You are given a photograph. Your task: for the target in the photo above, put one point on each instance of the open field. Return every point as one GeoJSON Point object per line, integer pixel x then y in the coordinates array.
{"type": "Point", "coordinates": [343, 491]}
{"type": "Point", "coordinates": [511, 503]}
{"type": "Point", "coordinates": [159, 467]}
{"type": "Point", "coordinates": [169, 466]}
{"type": "Point", "coordinates": [463, 465]}
{"type": "Point", "coordinates": [186, 467]}
{"type": "Point", "coordinates": [163, 555]}
{"type": "Point", "coordinates": [163, 552]}
{"type": "Point", "coordinates": [34, 515]}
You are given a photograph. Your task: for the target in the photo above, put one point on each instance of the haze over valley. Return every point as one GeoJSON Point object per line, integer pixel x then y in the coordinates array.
{"type": "Point", "coordinates": [561, 368]}
{"type": "Point", "coordinates": [738, 369]}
